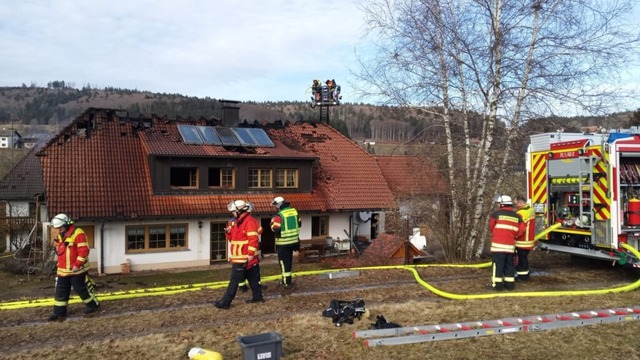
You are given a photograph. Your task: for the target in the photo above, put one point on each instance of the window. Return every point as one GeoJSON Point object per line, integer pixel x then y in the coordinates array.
{"type": "Point", "coordinates": [183, 177]}
{"type": "Point", "coordinates": [286, 178]}
{"type": "Point", "coordinates": [178, 236]}
{"type": "Point", "coordinates": [156, 237]}
{"type": "Point", "coordinates": [222, 178]}
{"type": "Point", "coordinates": [218, 241]}
{"type": "Point", "coordinates": [319, 226]}
{"type": "Point", "coordinates": [259, 178]}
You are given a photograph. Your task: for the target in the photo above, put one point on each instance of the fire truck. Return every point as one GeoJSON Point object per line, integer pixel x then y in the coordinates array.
{"type": "Point", "coordinates": [589, 184]}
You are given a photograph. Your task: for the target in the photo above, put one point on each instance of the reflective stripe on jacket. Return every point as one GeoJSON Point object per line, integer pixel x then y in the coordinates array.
{"type": "Point", "coordinates": [244, 241]}
{"type": "Point", "coordinates": [73, 250]}
{"type": "Point", "coordinates": [289, 230]}
{"type": "Point", "coordinates": [505, 225]}
{"type": "Point", "coordinates": [526, 240]}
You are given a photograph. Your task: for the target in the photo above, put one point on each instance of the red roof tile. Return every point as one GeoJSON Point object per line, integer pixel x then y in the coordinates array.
{"type": "Point", "coordinates": [411, 175]}
{"type": "Point", "coordinates": [97, 168]}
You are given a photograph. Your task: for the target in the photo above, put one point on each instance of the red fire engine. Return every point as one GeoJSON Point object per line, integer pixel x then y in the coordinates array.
{"type": "Point", "coordinates": [590, 184]}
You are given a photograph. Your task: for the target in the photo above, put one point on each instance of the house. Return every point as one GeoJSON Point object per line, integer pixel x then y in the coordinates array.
{"type": "Point", "coordinates": [10, 139]}
{"type": "Point", "coordinates": [153, 192]}
{"type": "Point", "coordinates": [413, 180]}
{"type": "Point", "coordinates": [22, 194]}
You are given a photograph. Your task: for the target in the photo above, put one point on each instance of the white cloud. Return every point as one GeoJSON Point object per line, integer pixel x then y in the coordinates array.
{"type": "Point", "coordinates": [246, 50]}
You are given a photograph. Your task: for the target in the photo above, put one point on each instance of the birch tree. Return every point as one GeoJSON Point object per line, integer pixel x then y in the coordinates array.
{"type": "Point", "coordinates": [505, 61]}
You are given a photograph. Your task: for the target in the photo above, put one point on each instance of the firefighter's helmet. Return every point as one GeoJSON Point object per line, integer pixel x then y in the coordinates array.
{"type": "Point", "coordinates": [504, 200]}
{"type": "Point", "coordinates": [277, 201]}
{"type": "Point", "coordinates": [60, 220]}
{"type": "Point", "coordinates": [238, 205]}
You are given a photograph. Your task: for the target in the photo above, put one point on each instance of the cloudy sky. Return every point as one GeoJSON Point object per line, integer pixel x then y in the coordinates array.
{"type": "Point", "coordinates": [240, 50]}
{"type": "Point", "coordinates": [245, 50]}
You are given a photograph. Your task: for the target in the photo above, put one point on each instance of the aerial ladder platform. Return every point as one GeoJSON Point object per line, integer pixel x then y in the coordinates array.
{"type": "Point", "coordinates": [427, 333]}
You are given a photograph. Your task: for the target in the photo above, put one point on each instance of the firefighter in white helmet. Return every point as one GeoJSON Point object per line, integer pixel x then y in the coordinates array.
{"type": "Point", "coordinates": [243, 255]}
{"type": "Point", "coordinates": [505, 225]}
{"type": "Point", "coordinates": [73, 268]}
{"type": "Point", "coordinates": [286, 228]}
{"type": "Point", "coordinates": [244, 286]}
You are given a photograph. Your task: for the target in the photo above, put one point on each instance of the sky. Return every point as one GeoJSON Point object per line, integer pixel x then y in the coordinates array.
{"type": "Point", "coordinates": [245, 50]}
{"type": "Point", "coordinates": [239, 50]}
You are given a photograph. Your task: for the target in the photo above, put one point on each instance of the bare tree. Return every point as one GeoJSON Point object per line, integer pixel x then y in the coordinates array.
{"type": "Point", "coordinates": [506, 61]}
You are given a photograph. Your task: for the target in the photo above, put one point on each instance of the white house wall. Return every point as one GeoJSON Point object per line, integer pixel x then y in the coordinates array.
{"type": "Point", "coordinates": [198, 254]}
{"type": "Point", "coordinates": [115, 254]}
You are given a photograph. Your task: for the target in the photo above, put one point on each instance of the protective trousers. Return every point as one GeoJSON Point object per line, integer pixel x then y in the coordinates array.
{"type": "Point", "coordinates": [285, 259]}
{"type": "Point", "coordinates": [504, 271]}
{"type": "Point", "coordinates": [238, 275]}
{"type": "Point", "coordinates": [523, 264]}
{"type": "Point", "coordinates": [79, 284]}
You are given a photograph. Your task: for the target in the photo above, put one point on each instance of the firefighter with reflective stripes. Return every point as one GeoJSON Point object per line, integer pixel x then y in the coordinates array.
{"type": "Point", "coordinates": [243, 255]}
{"type": "Point", "coordinates": [525, 242]}
{"type": "Point", "coordinates": [286, 228]}
{"type": "Point", "coordinates": [73, 268]}
{"type": "Point", "coordinates": [505, 225]}
{"type": "Point", "coordinates": [244, 286]}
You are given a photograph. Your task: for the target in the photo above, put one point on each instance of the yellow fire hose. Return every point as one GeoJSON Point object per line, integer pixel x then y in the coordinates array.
{"type": "Point", "coordinates": [172, 290]}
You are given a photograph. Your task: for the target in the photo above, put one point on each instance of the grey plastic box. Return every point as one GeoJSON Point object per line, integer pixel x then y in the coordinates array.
{"type": "Point", "coordinates": [261, 346]}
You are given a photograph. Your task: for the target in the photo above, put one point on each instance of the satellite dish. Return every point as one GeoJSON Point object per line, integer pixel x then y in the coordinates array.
{"type": "Point", "coordinates": [364, 216]}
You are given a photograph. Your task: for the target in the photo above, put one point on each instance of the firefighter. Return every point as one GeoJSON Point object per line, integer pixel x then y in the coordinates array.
{"type": "Point", "coordinates": [73, 268]}
{"type": "Point", "coordinates": [244, 286]}
{"type": "Point", "coordinates": [525, 242]}
{"type": "Point", "coordinates": [286, 228]}
{"type": "Point", "coordinates": [505, 225]}
{"type": "Point", "coordinates": [316, 89]}
{"type": "Point", "coordinates": [243, 256]}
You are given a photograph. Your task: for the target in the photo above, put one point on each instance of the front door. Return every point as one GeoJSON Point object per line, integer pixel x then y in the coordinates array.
{"type": "Point", "coordinates": [267, 240]}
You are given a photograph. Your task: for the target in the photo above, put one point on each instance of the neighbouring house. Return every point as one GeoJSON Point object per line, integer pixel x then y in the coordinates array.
{"type": "Point", "coordinates": [22, 194]}
{"type": "Point", "coordinates": [153, 192]}
{"type": "Point", "coordinates": [419, 188]}
{"type": "Point", "coordinates": [413, 180]}
{"type": "Point", "coordinates": [10, 139]}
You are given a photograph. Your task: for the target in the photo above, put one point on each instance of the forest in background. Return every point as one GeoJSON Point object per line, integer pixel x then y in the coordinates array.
{"type": "Point", "coordinates": [59, 103]}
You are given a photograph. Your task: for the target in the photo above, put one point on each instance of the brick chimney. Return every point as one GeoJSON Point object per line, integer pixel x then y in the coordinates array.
{"type": "Point", "coordinates": [230, 112]}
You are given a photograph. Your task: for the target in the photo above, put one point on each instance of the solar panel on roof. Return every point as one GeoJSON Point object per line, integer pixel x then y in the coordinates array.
{"type": "Point", "coordinates": [227, 136]}
{"type": "Point", "coordinates": [261, 137]}
{"type": "Point", "coordinates": [245, 138]}
{"type": "Point", "coordinates": [190, 134]}
{"type": "Point", "coordinates": [209, 135]}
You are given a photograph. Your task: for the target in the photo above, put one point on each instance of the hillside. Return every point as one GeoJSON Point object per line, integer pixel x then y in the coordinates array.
{"type": "Point", "coordinates": [58, 104]}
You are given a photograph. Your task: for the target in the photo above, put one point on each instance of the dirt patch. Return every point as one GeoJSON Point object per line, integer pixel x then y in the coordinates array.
{"type": "Point", "coordinates": [166, 327]}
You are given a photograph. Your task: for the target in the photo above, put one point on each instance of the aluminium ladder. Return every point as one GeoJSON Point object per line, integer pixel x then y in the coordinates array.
{"type": "Point", "coordinates": [426, 333]}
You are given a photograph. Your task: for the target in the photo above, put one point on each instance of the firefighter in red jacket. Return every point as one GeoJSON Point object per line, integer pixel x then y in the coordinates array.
{"type": "Point", "coordinates": [244, 286]}
{"type": "Point", "coordinates": [526, 241]}
{"type": "Point", "coordinates": [505, 225]}
{"type": "Point", "coordinates": [73, 268]}
{"type": "Point", "coordinates": [243, 255]}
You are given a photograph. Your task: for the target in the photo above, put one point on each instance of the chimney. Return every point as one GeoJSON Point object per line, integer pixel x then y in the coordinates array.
{"type": "Point", "coordinates": [230, 112]}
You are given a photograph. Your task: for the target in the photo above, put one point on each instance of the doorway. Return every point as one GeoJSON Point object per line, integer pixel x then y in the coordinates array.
{"type": "Point", "coordinates": [267, 239]}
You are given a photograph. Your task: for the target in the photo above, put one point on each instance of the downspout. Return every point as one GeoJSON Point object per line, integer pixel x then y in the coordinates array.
{"type": "Point", "coordinates": [101, 265]}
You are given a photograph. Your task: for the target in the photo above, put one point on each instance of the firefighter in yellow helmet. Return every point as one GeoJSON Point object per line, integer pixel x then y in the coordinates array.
{"type": "Point", "coordinates": [526, 241]}
{"type": "Point", "coordinates": [73, 268]}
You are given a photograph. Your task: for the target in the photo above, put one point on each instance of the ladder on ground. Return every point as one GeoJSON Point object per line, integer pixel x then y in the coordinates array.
{"type": "Point", "coordinates": [426, 333]}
